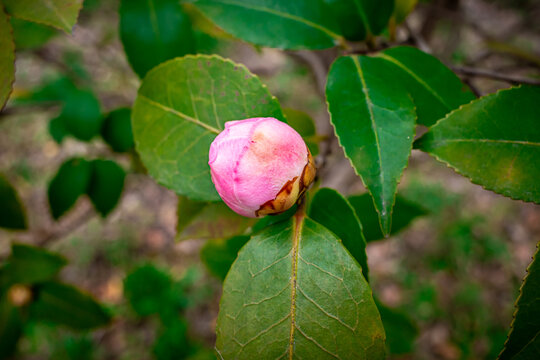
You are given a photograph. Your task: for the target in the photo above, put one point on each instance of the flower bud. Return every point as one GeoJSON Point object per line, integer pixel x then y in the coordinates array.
{"type": "Point", "coordinates": [260, 166]}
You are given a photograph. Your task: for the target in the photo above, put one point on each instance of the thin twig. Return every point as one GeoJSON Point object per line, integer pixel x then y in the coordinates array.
{"type": "Point", "coordinates": [417, 38]}
{"type": "Point", "coordinates": [316, 65]}
{"type": "Point", "coordinates": [468, 81]}
{"type": "Point", "coordinates": [44, 238]}
{"type": "Point", "coordinates": [516, 80]}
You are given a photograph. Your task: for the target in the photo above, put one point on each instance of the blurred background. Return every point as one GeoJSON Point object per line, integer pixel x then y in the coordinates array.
{"type": "Point", "coordinates": [448, 278]}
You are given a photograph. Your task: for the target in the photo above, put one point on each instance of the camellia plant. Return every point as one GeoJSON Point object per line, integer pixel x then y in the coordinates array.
{"type": "Point", "coordinates": [296, 283]}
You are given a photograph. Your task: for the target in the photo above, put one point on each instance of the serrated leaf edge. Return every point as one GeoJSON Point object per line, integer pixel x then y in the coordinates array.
{"type": "Point", "coordinates": [353, 167]}
{"type": "Point", "coordinates": [208, 57]}
{"type": "Point", "coordinates": [534, 258]}
{"type": "Point", "coordinates": [66, 29]}
{"type": "Point", "coordinates": [417, 146]}
{"type": "Point", "coordinates": [12, 43]}
{"type": "Point", "coordinates": [336, 38]}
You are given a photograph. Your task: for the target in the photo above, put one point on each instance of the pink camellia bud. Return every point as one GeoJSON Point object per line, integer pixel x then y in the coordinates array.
{"type": "Point", "coordinates": [260, 166]}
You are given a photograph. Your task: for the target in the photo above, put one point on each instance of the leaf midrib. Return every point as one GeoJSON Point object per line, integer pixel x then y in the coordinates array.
{"type": "Point", "coordinates": [179, 114]}
{"type": "Point", "coordinates": [154, 19]}
{"type": "Point", "coordinates": [363, 15]}
{"type": "Point", "coordinates": [298, 222]}
{"type": "Point", "coordinates": [402, 66]}
{"type": "Point", "coordinates": [62, 303]}
{"type": "Point", "coordinates": [52, 6]}
{"type": "Point", "coordinates": [369, 105]}
{"type": "Point", "coordinates": [494, 141]}
{"type": "Point", "coordinates": [284, 15]}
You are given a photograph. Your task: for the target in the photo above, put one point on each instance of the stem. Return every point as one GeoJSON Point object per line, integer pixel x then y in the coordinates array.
{"type": "Point", "coordinates": [516, 80]}
{"type": "Point", "coordinates": [392, 29]}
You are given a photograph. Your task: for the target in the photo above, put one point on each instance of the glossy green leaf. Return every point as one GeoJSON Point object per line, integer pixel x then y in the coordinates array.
{"type": "Point", "coordinates": [30, 35]}
{"type": "Point", "coordinates": [30, 265]}
{"type": "Point", "coordinates": [7, 58]}
{"type": "Point", "coordinates": [219, 254]}
{"type": "Point", "coordinates": [61, 14]}
{"type": "Point", "coordinates": [181, 106]}
{"type": "Point", "coordinates": [404, 213]}
{"type": "Point", "coordinates": [402, 8]}
{"type": "Point", "coordinates": [295, 292]}
{"type": "Point", "coordinates": [11, 328]}
{"type": "Point", "coordinates": [401, 331]}
{"type": "Point", "coordinates": [303, 123]}
{"type": "Point", "coordinates": [375, 125]}
{"type": "Point", "coordinates": [106, 185]}
{"type": "Point", "coordinates": [284, 24]}
{"type": "Point", "coordinates": [531, 351]}
{"type": "Point", "coordinates": [65, 305]}
{"type": "Point", "coordinates": [435, 89]}
{"type": "Point", "coordinates": [525, 326]}
{"type": "Point", "coordinates": [215, 221]}
{"type": "Point", "coordinates": [334, 212]}
{"type": "Point", "coordinates": [12, 215]}
{"type": "Point", "coordinates": [494, 141]}
{"type": "Point", "coordinates": [154, 31]}
{"type": "Point", "coordinates": [361, 18]}
{"type": "Point", "coordinates": [70, 182]}
{"type": "Point", "coordinates": [116, 130]}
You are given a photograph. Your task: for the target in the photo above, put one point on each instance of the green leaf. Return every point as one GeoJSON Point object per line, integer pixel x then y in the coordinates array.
{"type": "Point", "coordinates": [215, 221]}
{"type": "Point", "coordinates": [30, 265]}
{"type": "Point", "coordinates": [303, 123]}
{"type": "Point", "coordinates": [65, 305]}
{"type": "Point", "coordinates": [70, 182]}
{"type": "Point", "coordinates": [435, 89]}
{"type": "Point", "coordinates": [284, 24]}
{"type": "Point", "coordinates": [11, 328]}
{"type": "Point", "coordinates": [12, 215]}
{"type": "Point", "coordinates": [149, 290]}
{"type": "Point", "coordinates": [55, 90]}
{"type": "Point", "coordinates": [273, 219]}
{"type": "Point", "coordinates": [75, 348]}
{"type": "Point", "coordinates": [153, 31]}
{"type": "Point", "coordinates": [186, 211]}
{"type": "Point", "coordinates": [404, 213]}
{"type": "Point", "coordinates": [401, 331]}
{"type": "Point", "coordinates": [81, 114]}
{"type": "Point", "coordinates": [375, 125]}
{"type": "Point", "coordinates": [181, 106]}
{"type": "Point", "coordinates": [7, 58]}
{"type": "Point", "coordinates": [30, 35]}
{"type": "Point", "coordinates": [219, 254]}
{"type": "Point", "coordinates": [294, 291]}
{"type": "Point", "coordinates": [483, 142]}
{"type": "Point", "coordinates": [531, 351]}
{"type": "Point", "coordinates": [106, 185]}
{"type": "Point", "coordinates": [116, 130]}
{"type": "Point", "coordinates": [334, 212]}
{"type": "Point", "coordinates": [61, 14]}
{"type": "Point", "coordinates": [57, 129]}
{"type": "Point", "coordinates": [525, 326]}
{"type": "Point", "coordinates": [402, 8]}
{"type": "Point", "coordinates": [359, 19]}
